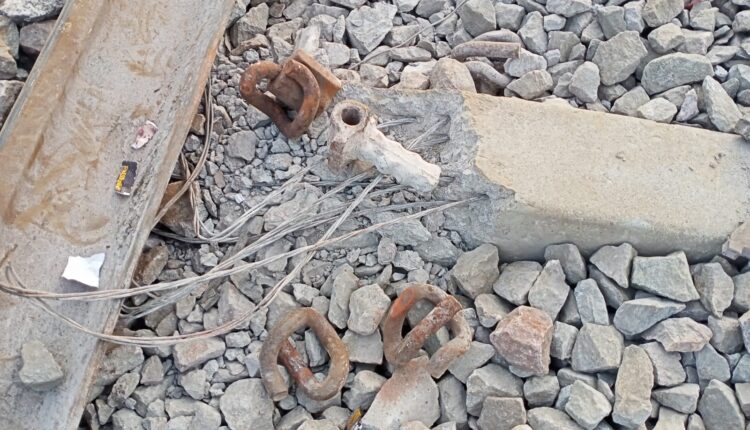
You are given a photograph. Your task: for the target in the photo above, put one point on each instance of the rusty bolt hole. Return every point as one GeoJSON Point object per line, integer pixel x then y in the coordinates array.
{"type": "Point", "coordinates": [352, 115]}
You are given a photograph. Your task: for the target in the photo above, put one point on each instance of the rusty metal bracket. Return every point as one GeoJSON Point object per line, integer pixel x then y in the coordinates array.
{"type": "Point", "coordinates": [399, 351]}
{"type": "Point", "coordinates": [300, 83]}
{"type": "Point", "coordinates": [278, 348]}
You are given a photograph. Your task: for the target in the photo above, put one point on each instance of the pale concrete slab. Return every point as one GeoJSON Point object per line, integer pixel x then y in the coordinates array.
{"type": "Point", "coordinates": [555, 174]}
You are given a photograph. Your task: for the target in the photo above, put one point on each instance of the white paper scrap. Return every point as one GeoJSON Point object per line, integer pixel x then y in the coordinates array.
{"type": "Point", "coordinates": [84, 269]}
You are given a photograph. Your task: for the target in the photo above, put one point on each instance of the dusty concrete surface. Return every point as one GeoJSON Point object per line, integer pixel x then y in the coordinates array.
{"type": "Point", "coordinates": [556, 174]}
{"type": "Point", "coordinates": [109, 67]}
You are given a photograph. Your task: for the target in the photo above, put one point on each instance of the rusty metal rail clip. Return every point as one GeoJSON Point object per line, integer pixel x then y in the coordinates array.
{"type": "Point", "coordinates": [278, 348]}
{"type": "Point", "coordinates": [399, 351]}
{"type": "Point", "coordinates": [300, 83]}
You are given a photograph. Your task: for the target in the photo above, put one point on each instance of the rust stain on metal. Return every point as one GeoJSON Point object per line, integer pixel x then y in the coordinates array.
{"type": "Point", "coordinates": [299, 84]}
{"type": "Point", "coordinates": [399, 351]}
{"type": "Point", "coordinates": [278, 348]}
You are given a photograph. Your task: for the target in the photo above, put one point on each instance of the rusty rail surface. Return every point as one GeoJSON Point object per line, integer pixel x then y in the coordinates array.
{"type": "Point", "coordinates": [278, 348]}
{"type": "Point", "coordinates": [108, 67]}
{"type": "Point", "coordinates": [400, 350]}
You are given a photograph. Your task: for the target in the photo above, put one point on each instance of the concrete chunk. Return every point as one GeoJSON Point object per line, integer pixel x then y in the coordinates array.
{"type": "Point", "coordinates": [537, 197]}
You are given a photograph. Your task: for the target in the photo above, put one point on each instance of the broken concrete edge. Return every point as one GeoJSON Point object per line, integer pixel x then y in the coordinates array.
{"type": "Point", "coordinates": [557, 175]}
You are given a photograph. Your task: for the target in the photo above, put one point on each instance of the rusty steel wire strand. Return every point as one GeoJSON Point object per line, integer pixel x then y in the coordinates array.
{"type": "Point", "coordinates": [399, 351]}
{"type": "Point", "coordinates": [278, 348]}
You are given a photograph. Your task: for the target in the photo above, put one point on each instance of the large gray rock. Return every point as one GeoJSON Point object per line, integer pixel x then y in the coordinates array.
{"type": "Point", "coordinates": [636, 316]}
{"type": "Point", "coordinates": [658, 12]}
{"type": "Point", "coordinates": [490, 380]}
{"type": "Point", "coordinates": [590, 303]}
{"type": "Point", "coordinates": [682, 398]}
{"type": "Point", "coordinates": [254, 22]}
{"type": "Point", "coordinates": [409, 395]}
{"type": "Point", "coordinates": [541, 390]}
{"type": "Point", "coordinates": [568, 8]}
{"type": "Point", "coordinates": [9, 90]}
{"type": "Point", "coordinates": [190, 354]}
{"type": "Point", "coordinates": [563, 340]}
{"type": "Point", "coordinates": [452, 401]}
{"type": "Point", "coordinates": [619, 56]}
{"type": "Point", "coordinates": [21, 11]}
{"type": "Point", "coordinates": [532, 33]}
{"type": "Point", "coordinates": [449, 74]}
{"type": "Point", "coordinates": [509, 16]}
{"type": "Point", "coordinates": [532, 85]}
{"type": "Point", "coordinates": [679, 334]}
{"type": "Point", "coordinates": [667, 276]}
{"type": "Point", "coordinates": [477, 270]}
{"type": "Point", "coordinates": [673, 70]}
{"type": "Point", "coordinates": [34, 36]}
{"type": "Point", "coordinates": [720, 107]}
{"type": "Point", "coordinates": [247, 406]}
{"type": "Point", "coordinates": [39, 370]}
{"type": "Point", "coordinates": [516, 280]}
{"type": "Point", "coordinates": [478, 16]}
{"type": "Point", "coordinates": [367, 307]}
{"type": "Point", "coordinates": [666, 38]}
{"type": "Point", "coordinates": [597, 348]}
{"type": "Point", "coordinates": [628, 104]}
{"type": "Point", "coordinates": [719, 408]}
{"type": "Point", "coordinates": [477, 356]}
{"type": "Point", "coordinates": [551, 419]}
{"type": "Point", "coordinates": [502, 413]}
{"type": "Point", "coordinates": [586, 405]}
{"type": "Point", "coordinates": [715, 287]}
{"type": "Point", "coordinates": [549, 290]}
{"type": "Point", "coordinates": [363, 389]}
{"type": "Point", "coordinates": [668, 370]}
{"type": "Point", "coordinates": [585, 82]}
{"type": "Point", "coordinates": [659, 110]}
{"type": "Point", "coordinates": [344, 284]}
{"type": "Point", "coordinates": [709, 364]}
{"type": "Point", "coordinates": [635, 379]}
{"type": "Point", "coordinates": [526, 62]}
{"type": "Point", "coordinates": [367, 26]}
{"type": "Point", "coordinates": [570, 259]}
{"type": "Point", "coordinates": [727, 334]}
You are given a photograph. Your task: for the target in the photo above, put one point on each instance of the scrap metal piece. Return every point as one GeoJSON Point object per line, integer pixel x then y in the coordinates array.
{"type": "Point", "coordinates": [300, 84]}
{"type": "Point", "coordinates": [486, 49]}
{"type": "Point", "coordinates": [399, 351]}
{"type": "Point", "coordinates": [354, 138]}
{"type": "Point", "coordinates": [278, 348]}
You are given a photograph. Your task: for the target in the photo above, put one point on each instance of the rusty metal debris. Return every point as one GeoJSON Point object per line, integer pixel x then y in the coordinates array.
{"type": "Point", "coordinates": [300, 83]}
{"type": "Point", "coordinates": [356, 144]}
{"type": "Point", "coordinates": [399, 351]}
{"type": "Point", "coordinates": [488, 49]}
{"type": "Point", "coordinates": [278, 348]}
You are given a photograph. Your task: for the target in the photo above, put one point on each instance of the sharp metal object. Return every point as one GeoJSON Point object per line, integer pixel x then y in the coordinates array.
{"type": "Point", "coordinates": [400, 350]}
{"type": "Point", "coordinates": [278, 348]}
{"type": "Point", "coordinates": [300, 84]}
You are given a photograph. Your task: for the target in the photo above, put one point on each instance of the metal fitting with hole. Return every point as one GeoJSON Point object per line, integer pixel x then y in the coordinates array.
{"type": "Point", "coordinates": [278, 348]}
{"type": "Point", "coordinates": [356, 144]}
{"type": "Point", "coordinates": [300, 83]}
{"type": "Point", "coordinates": [400, 350]}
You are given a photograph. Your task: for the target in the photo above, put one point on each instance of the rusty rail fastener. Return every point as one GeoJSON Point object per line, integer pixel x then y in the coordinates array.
{"type": "Point", "coordinates": [300, 83]}
{"type": "Point", "coordinates": [278, 348]}
{"type": "Point", "coordinates": [399, 351]}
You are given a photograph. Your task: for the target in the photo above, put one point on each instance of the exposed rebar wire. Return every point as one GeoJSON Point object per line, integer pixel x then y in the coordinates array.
{"type": "Point", "coordinates": [14, 285]}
